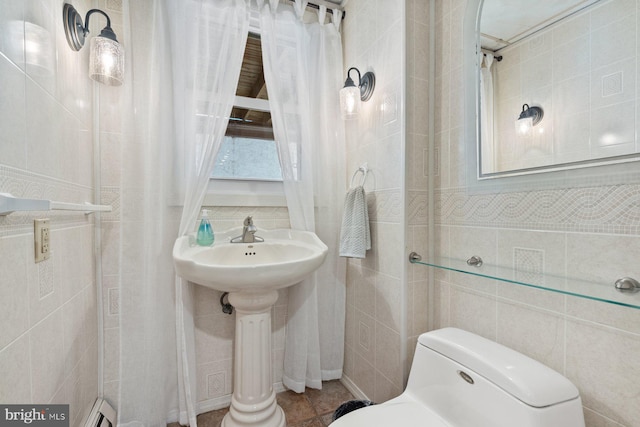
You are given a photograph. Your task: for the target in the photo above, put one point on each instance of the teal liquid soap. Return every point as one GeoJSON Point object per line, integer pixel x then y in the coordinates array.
{"type": "Point", "coordinates": [205, 235]}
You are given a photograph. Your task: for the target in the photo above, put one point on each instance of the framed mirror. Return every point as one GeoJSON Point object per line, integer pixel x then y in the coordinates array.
{"type": "Point", "coordinates": [552, 87]}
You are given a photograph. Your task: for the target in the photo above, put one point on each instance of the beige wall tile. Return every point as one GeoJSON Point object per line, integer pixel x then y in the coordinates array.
{"type": "Point", "coordinates": [387, 356]}
{"type": "Point", "coordinates": [214, 337]}
{"type": "Point", "coordinates": [536, 333]}
{"type": "Point", "coordinates": [14, 316]}
{"type": "Point", "coordinates": [619, 317]}
{"type": "Point", "coordinates": [473, 312]}
{"type": "Point", "coordinates": [111, 354]}
{"type": "Point", "coordinates": [602, 258]}
{"type": "Point", "coordinates": [15, 371]}
{"type": "Point", "coordinates": [593, 419]}
{"type": "Point", "coordinates": [364, 375]}
{"type": "Point", "coordinates": [46, 350]}
{"type": "Point", "coordinates": [385, 389]}
{"type": "Point", "coordinates": [600, 363]}
{"type": "Point", "coordinates": [365, 336]}
{"type": "Point", "coordinates": [388, 298]}
{"type": "Point", "coordinates": [12, 113]}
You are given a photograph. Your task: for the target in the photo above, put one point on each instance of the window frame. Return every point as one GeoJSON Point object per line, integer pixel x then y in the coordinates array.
{"type": "Point", "coordinates": [246, 192]}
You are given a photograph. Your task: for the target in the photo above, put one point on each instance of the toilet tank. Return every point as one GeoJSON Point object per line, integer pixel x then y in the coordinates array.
{"type": "Point", "coordinates": [471, 381]}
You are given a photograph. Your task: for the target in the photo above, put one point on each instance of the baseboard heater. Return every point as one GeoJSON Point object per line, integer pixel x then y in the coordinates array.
{"type": "Point", "coordinates": [102, 415]}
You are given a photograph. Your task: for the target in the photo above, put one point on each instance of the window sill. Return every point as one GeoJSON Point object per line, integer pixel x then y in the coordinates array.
{"type": "Point", "coordinates": [245, 193]}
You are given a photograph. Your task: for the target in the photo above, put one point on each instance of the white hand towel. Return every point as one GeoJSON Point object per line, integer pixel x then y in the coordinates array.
{"type": "Point", "coordinates": [355, 236]}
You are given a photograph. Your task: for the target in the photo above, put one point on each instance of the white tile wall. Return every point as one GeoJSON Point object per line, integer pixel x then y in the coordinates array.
{"type": "Point", "coordinates": [373, 40]}
{"type": "Point", "coordinates": [48, 324]}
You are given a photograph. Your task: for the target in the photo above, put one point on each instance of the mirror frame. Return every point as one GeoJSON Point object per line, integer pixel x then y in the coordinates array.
{"type": "Point", "coordinates": [584, 175]}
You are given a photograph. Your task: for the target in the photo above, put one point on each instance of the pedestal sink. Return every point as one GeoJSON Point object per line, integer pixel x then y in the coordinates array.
{"type": "Point", "coordinates": [251, 273]}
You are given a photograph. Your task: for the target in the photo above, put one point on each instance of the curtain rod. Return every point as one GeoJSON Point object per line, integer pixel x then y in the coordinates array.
{"type": "Point", "coordinates": [495, 54]}
{"type": "Point", "coordinates": [324, 3]}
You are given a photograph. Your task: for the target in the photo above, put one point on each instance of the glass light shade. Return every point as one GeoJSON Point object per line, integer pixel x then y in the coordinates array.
{"type": "Point", "coordinates": [524, 126]}
{"type": "Point", "coordinates": [350, 102]}
{"type": "Point", "coordinates": [106, 62]}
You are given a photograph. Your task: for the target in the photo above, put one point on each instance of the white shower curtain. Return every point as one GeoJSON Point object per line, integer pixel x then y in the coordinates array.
{"type": "Point", "coordinates": [184, 63]}
{"type": "Point", "coordinates": [303, 72]}
{"type": "Point", "coordinates": [487, 113]}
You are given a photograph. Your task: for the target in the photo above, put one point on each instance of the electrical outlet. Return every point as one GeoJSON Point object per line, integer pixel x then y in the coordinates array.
{"type": "Point", "coordinates": [42, 239]}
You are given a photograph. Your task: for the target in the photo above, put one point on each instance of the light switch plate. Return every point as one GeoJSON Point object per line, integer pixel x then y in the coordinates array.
{"type": "Point", "coordinates": [42, 239]}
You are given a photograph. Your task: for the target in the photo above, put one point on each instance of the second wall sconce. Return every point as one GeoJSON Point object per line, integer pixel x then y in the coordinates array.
{"type": "Point", "coordinates": [106, 63]}
{"type": "Point", "coordinates": [351, 95]}
{"type": "Point", "coordinates": [529, 117]}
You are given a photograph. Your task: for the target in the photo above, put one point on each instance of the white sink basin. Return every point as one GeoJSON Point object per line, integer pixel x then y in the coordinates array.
{"type": "Point", "coordinates": [283, 259]}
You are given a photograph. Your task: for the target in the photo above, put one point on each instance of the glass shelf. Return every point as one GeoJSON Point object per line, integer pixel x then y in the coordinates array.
{"type": "Point", "coordinates": [605, 292]}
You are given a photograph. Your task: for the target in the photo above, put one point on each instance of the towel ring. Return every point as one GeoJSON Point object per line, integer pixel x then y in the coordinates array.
{"type": "Point", "coordinates": [364, 171]}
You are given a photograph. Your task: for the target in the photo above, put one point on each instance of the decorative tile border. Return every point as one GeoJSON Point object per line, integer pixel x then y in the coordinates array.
{"type": "Point", "coordinates": [385, 205]}
{"type": "Point", "coordinates": [607, 209]}
{"type": "Point", "coordinates": [418, 209]}
{"type": "Point", "coordinates": [111, 196]}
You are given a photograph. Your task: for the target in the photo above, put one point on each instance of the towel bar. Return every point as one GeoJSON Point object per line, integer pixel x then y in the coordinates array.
{"type": "Point", "coordinates": [10, 204]}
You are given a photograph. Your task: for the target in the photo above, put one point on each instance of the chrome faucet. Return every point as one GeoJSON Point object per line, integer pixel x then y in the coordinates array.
{"type": "Point", "coordinates": [248, 233]}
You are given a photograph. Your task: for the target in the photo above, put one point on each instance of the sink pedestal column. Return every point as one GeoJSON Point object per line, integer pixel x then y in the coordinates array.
{"type": "Point", "coordinates": [254, 401]}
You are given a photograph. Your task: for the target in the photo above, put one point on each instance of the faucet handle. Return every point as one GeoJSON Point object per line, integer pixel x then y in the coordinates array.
{"type": "Point", "coordinates": [248, 221]}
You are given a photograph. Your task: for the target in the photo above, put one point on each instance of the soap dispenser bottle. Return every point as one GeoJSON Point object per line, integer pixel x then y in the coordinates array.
{"type": "Point", "coordinates": [205, 232]}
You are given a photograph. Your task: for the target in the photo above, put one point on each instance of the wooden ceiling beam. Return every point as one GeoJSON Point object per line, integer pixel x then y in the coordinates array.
{"type": "Point", "coordinates": [258, 88]}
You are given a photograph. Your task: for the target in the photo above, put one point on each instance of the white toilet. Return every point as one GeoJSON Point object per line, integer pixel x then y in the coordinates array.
{"type": "Point", "coordinates": [459, 379]}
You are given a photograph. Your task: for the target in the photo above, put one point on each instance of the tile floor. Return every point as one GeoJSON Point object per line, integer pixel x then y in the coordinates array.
{"type": "Point", "coordinates": [313, 408]}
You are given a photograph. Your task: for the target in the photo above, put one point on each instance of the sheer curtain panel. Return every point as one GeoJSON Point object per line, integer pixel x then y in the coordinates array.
{"type": "Point", "coordinates": [487, 113]}
{"type": "Point", "coordinates": [303, 73]}
{"type": "Point", "coordinates": [185, 63]}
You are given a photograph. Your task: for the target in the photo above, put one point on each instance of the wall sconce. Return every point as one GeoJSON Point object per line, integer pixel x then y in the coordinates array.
{"type": "Point", "coordinates": [529, 117]}
{"type": "Point", "coordinates": [350, 95]}
{"type": "Point", "coordinates": [106, 62]}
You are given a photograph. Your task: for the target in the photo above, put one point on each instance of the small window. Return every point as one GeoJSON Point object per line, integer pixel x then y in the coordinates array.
{"type": "Point", "coordinates": [249, 151]}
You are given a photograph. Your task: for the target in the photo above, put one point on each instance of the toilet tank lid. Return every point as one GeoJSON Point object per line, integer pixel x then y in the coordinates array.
{"type": "Point", "coordinates": [530, 381]}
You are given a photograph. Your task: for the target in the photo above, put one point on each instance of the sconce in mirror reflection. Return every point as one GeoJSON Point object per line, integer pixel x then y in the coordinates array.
{"type": "Point", "coordinates": [106, 62]}
{"type": "Point", "coordinates": [529, 117]}
{"type": "Point", "coordinates": [351, 95]}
